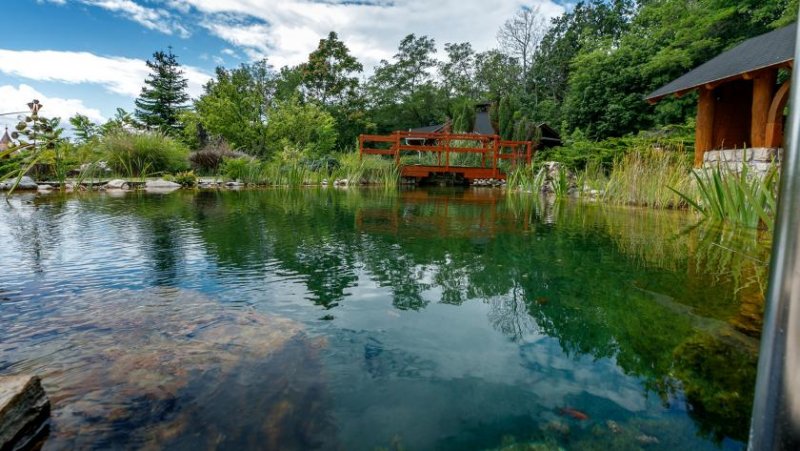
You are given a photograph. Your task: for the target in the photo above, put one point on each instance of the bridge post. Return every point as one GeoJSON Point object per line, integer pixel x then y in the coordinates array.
{"type": "Point", "coordinates": [447, 153]}
{"type": "Point", "coordinates": [495, 148]}
{"type": "Point", "coordinates": [361, 146]}
{"type": "Point", "coordinates": [397, 149]}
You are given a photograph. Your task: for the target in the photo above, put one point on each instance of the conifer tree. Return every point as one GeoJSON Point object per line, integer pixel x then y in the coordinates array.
{"type": "Point", "coordinates": [164, 95]}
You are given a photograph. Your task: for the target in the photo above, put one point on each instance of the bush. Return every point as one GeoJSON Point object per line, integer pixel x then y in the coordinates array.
{"type": "Point", "coordinates": [144, 153]}
{"type": "Point", "coordinates": [246, 170]}
{"type": "Point", "coordinates": [209, 158]}
{"type": "Point", "coordinates": [186, 179]}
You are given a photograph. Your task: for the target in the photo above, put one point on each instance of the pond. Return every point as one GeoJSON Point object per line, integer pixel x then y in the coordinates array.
{"type": "Point", "coordinates": [349, 319]}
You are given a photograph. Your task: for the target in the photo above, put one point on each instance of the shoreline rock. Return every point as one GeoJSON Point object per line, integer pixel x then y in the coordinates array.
{"type": "Point", "coordinates": [24, 411]}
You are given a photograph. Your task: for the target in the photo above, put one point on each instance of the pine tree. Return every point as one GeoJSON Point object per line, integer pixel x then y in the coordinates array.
{"type": "Point", "coordinates": [164, 95]}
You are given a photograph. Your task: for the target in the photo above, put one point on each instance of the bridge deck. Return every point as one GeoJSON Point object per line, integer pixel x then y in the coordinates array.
{"type": "Point", "coordinates": [490, 147]}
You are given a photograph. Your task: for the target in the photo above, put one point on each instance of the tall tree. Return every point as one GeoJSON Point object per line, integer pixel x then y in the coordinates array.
{"type": "Point", "coordinates": [520, 35]}
{"type": "Point", "coordinates": [329, 74]}
{"type": "Point", "coordinates": [458, 71]}
{"type": "Point", "coordinates": [164, 94]}
{"type": "Point", "coordinates": [235, 105]}
{"type": "Point", "coordinates": [401, 92]}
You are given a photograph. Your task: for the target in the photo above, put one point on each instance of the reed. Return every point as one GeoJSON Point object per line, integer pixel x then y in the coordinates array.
{"type": "Point", "coordinates": [736, 196]}
{"type": "Point", "coordinates": [650, 177]}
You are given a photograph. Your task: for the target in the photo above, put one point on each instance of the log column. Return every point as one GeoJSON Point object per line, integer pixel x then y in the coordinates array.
{"type": "Point", "coordinates": [704, 134]}
{"type": "Point", "coordinates": [763, 91]}
{"type": "Point", "coordinates": [774, 128]}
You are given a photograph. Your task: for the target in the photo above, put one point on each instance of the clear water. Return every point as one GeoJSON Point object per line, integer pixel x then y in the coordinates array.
{"type": "Point", "coordinates": [361, 320]}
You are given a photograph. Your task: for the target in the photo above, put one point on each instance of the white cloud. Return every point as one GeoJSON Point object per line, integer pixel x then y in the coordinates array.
{"type": "Point", "coordinates": [16, 98]}
{"type": "Point", "coordinates": [286, 31]}
{"type": "Point", "coordinates": [123, 76]}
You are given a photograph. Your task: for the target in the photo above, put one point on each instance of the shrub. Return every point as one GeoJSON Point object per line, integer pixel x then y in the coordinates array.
{"type": "Point", "coordinates": [209, 158]}
{"type": "Point", "coordinates": [186, 179]}
{"type": "Point", "coordinates": [144, 153]}
{"type": "Point", "coordinates": [246, 170]}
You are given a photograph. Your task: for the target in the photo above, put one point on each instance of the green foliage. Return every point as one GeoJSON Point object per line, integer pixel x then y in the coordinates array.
{"type": "Point", "coordinates": [464, 117]}
{"type": "Point", "coordinates": [144, 153]}
{"type": "Point", "coordinates": [735, 195]}
{"type": "Point", "coordinates": [187, 179]}
{"type": "Point", "coordinates": [164, 95]}
{"type": "Point", "coordinates": [85, 129]}
{"type": "Point", "coordinates": [122, 120]}
{"type": "Point", "coordinates": [527, 179]}
{"type": "Point", "coordinates": [506, 118]}
{"type": "Point", "coordinates": [327, 76]}
{"type": "Point", "coordinates": [369, 169]}
{"type": "Point", "coordinates": [39, 140]}
{"type": "Point", "coordinates": [236, 104]}
{"type": "Point", "coordinates": [649, 176]}
{"type": "Point", "coordinates": [245, 169]}
{"type": "Point", "coordinates": [300, 126]}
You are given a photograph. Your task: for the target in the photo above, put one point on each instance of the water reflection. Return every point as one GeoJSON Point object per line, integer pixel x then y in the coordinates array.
{"type": "Point", "coordinates": [418, 297]}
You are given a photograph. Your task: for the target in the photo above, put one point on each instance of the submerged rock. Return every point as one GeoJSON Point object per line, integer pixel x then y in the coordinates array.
{"type": "Point", "coordinates": [645, 439]}
{"type": "Point", "coordinates": [155, 368]}
{"type": "Point", "coordinates": [24, 410]}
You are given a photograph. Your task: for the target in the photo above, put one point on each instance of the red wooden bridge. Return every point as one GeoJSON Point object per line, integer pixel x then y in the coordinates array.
{"type": "Point", "coordinates": [491, 149]}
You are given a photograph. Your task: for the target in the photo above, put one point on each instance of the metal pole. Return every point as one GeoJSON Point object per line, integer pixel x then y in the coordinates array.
{"type": "Point", "coordinates": [775, 424]}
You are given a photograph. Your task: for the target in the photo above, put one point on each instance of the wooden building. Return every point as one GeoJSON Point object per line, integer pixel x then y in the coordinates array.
{"type": "Point", "coordinates": [740, 103]}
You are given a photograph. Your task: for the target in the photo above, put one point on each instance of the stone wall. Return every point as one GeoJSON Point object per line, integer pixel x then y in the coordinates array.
{"type": "Point", "coordinates": [758, 159]}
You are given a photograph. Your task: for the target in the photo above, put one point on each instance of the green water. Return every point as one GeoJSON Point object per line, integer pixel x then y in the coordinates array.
{"type": "Point", "coordinates": [365, 319]}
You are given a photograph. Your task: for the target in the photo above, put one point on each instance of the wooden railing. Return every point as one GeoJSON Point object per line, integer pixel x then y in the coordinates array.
{"type": "Point", "coordinates": [491, 148]}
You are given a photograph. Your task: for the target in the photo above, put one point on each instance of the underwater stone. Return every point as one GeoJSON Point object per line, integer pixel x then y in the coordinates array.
{"type": "Point", "coordinates": [24, 411]}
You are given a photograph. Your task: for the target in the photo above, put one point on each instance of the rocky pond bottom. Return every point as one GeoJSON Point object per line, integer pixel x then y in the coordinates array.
{"type": "Point", "coordinates": [364, 319]}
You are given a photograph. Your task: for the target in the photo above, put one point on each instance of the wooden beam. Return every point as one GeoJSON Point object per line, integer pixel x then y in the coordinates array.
{"type": "Point", "coordinates": [773, 136]}
{"type": "Point", "coordinates": [704, 134]}
{"type": "Point", "coordinates": [763, 91]}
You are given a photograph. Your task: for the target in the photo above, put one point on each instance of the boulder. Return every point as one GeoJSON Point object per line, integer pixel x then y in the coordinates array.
{"type": "Point", "coordinates": [161, 185]}
{"type": "Point", "coordinates": [24, 411]}
{"type": "Point", "coordinates": [45, 187]}
{"type": "Point", "coordinates": [25, 183]}
{"type": "Point", "coordinates": [117, 184]}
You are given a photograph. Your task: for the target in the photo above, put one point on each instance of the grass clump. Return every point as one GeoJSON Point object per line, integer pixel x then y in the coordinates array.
{"type": "Point", "coordinates": [739, 197]}
{"type": "Point", "coordinates": [367, 169]}
{"type": "Point", "coordinates": [650, 177]}
{"type": "Point", "coordinates": [144, 153]}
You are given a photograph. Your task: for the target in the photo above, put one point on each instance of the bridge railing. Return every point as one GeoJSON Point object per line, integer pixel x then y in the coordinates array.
{"type": "Point", "coordinates": [491, 148]}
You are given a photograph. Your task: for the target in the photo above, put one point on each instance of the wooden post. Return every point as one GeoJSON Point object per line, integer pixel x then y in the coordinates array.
{"type": "Point", "coordinates": [494, 157]}
{"type": "Point", "coordinates": [397, 149]}
{"type": "Point", "coordinates": [447, 152]}
{"type": "Point", "coordinates": [773, 136]}
{"type": "Point", "coordinates": [763, 90]}
{"type": "Point", "coordinates": [360, 146]}
{"type": "Point", "coordinates": [704, 134]}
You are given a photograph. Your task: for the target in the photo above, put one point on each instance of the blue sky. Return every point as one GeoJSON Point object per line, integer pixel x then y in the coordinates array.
{"type": "Point", "coordinates": [88, 55]}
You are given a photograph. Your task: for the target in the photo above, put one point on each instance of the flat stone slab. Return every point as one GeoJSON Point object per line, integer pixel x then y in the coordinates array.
{"type": "Point", "coordinates": [24, 411]}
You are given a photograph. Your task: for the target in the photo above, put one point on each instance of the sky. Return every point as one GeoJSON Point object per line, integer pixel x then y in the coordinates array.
{"type": "Point", "coordinates": [88, 56]}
